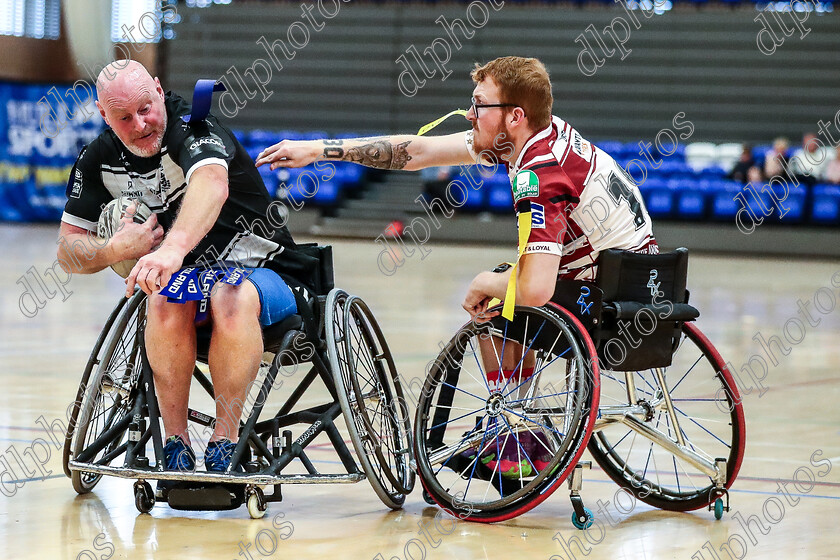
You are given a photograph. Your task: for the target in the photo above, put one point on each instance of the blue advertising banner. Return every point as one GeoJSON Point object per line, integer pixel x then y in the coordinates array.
{"type": "Point", "coordinates": [43, 127]}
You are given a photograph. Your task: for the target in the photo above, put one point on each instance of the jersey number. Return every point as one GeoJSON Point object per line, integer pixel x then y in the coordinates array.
{"type": "Point", "coordinates": [618, 191]}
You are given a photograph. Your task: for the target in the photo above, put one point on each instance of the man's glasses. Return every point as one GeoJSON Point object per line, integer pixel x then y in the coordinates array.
{"type": "Point", "coordinates": [477, 106]}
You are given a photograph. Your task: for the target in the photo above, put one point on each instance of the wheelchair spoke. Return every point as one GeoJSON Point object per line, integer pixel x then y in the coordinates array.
{"type": "Point", "coordinates": [561, 434]}
{"type": "Point", "coordinates": [461, 390]}
{"type": "Point", "coordinates": [702, 427]}
{"type": "Point", "coordinates": [697, 361]}
{"type": "Point", "coordinates": [482, 374]}
{"type": "Point", "coordinates": [521, 359]}
{"type": "Point", "coordinates": [542, 396]}
{"type": "Point", "coordinates": [519, 449]}
{"type": "Point", "coordinates": [454, 419]}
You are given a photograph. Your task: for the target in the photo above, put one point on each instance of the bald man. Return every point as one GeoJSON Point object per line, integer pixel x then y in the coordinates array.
{"type": "Point", "coordinates": [204, 192]}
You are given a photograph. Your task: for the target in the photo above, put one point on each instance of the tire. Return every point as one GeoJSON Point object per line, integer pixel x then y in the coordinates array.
{"type": "Point", "coordinates": [110, 393]}
{"type": "Point", "coordinates": [93, 360]}
{"type": "Point", "coordinates": [375, 382]}
{"type": "Point", "coordinates": [558, 401]}
{"type": "Point", "coordinates": [710, 416]}
{"type": "Point", "coordinates": [341, 317]}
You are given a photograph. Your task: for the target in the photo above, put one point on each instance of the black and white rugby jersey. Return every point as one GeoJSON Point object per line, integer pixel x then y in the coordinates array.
{"type": "Point", "coordinates": [106, 170]}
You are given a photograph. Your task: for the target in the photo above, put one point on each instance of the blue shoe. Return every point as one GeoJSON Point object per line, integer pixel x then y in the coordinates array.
{"type": "Point", "coordinates": [177, 456]}
{"type": "Point", "coordinates": [218, 455]}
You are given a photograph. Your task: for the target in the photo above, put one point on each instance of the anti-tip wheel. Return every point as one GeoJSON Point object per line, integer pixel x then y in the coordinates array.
{"type": "Point", "coordinates": [144, 498]}
{"type": "Point", "coordinates": [428, 499]}
{"type": "Point", "coordinates": [585, 523]}
{"type": "Point", "coordinates": [718, 508]}
{"type": "Point", "coordinates": [256, 504]}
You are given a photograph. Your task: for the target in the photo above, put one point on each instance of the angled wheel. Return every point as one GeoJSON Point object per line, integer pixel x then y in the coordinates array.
{"type": "Point", "coordinates": [708, 412]}
{"type": "Point", "coordinates": [370, 395]}
{"type": "Point", "coordinates": [378, 395]}
{"type": "Point", "coordinates": [490, 445]}
{"type": "Point", "coordinates": [93, 360]}
{"type": "Point", "coordinates": [109, 394]}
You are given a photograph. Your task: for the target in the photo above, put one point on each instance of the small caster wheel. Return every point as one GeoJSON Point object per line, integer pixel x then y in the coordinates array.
{"type": "Point", "coordinates": [583, 522]}
{"type": "Point", "coordinates": [144, 498]}
{"type": "Point", "coordinates": [256, 503]}
{"type": "Point", "coordinates": [718, 508]}
{"type": "Point", "coordinates": [428, 499]}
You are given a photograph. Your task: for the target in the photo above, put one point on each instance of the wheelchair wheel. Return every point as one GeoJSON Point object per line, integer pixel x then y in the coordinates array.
{"type": "Point", "coordinates": [378, 394]}
{"type": "Point", "coordinates": [93, 360]}
{"type": "Point", "coordinates": [370, 396]}
{"type": "Point", "coordinates": [710, 418]}
{"type": "Point", "coordinates": [470, 424]}
{"type": "Point", "coordinates": [111, 389]}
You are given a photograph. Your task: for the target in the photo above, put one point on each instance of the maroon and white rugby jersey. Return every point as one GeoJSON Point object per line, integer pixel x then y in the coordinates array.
{"type": "Point", "coordinates": [581, 201]}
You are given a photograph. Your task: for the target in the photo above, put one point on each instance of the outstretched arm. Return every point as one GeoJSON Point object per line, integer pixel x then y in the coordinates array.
{"type": "Point", "coordinates": [384, 152]}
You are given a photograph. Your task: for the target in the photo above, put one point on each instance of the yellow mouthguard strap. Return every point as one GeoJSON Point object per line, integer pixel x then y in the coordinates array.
{"type": "Point", "coordinates": [510, 294]}
{"type": "Point", "coordinates": [426, 128]}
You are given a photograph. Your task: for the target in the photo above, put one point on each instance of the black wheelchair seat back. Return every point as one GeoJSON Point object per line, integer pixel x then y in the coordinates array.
{"type": "Point", "coordinates": [645, 302]}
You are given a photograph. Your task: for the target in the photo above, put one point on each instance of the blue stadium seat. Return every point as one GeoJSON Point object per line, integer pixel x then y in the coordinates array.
{"type": "Point", "coordinates": [760, 152]}
{"type": "Point", "coordinates": [825, 208]}
{"type": "Point", "coordinates": [795, 203]}
{"type": "Point", "coordinates": [262, 138]}
{"type": "Point", "coordinates": [289, 135]}
{"type": "Point", "coordinates": [677, 155]}
{"type": "Point", "coordinates": [240, 135]}
{"type": "Point", "coordinates": [611, 147]}
{"type": "Point", "coordinates": [475, 197]}
{"type": "Point", "coordinates": [659, 199]}
{"type": "Point", "coordinates": [499, 197]}
{"type": "Point", "coordinates": [714, 171]}
{"type": "Point", "coordinates": [724, 206]}
{"type": "Point", "coordinates": [630, 150]}
{"type": "Point", "coordinates": [690, 198]}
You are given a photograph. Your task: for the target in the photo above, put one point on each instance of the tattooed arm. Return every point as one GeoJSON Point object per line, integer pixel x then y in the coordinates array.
{"type": "Point", "coordinates": [385, 152]}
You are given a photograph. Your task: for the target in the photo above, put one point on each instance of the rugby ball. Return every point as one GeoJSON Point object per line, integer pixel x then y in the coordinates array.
{"type": "Point", "coordinates": [109, 224]}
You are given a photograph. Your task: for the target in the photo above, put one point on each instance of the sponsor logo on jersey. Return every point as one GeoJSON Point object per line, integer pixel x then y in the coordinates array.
{"type": "Point", "coordinates": [534, 247]}
{"type": "Point", "coordinates": [582, 147]}
{"type": "Point", "coordinates": [132, 194]}
{"type": "Point", "coordinates": [525, 184]}
{"type": "Point", "coordinates": [76, 190]}
{"type": "Point", "coordinates": [544, 247]}
{"type": "Point", "coordinates": [537, 216]}
{"type": "Point", "coordinates": [205, 141]}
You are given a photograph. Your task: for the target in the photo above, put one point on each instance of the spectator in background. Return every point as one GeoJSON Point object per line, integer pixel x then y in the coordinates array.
{"type": "Point", "coordinates": [832, 169]}
{"type": "Point", "coordinates": [754, 177]}
{"type": "Point", "coordinates": [435, 180]}
{"type": "Point", "coordinates": [744, 163]}
{"type": "Point", "coordinates": [808, 163]}
{"type": "Point", "coordinates": [775, 158]}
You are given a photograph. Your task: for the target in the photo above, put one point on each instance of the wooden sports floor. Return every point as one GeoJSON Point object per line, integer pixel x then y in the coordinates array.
{"type": "Point", "coordinates": [793, 429]}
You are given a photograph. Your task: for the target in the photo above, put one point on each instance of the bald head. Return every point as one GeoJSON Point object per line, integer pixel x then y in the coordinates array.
{"type": "Point", "coordinates": [132, 104]}
{"type": "Point", "coordinates": [121, 76]}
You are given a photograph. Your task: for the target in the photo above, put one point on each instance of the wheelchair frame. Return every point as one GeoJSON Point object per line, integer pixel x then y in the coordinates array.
{"type": "Point", "coordinates": [136, 415]}
{"type": "Point", "coordinates": [572, 339]}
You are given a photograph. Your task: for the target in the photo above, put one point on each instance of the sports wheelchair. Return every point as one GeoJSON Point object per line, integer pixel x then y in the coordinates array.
{"type": "Point", "coordinates": [115, 426]}
{"type": "Point", "coordinates": [615, 366]}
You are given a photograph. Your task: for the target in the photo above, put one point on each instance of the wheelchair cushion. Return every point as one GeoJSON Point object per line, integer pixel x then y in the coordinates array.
{"type": "Point", "coordinates": [272, 335]}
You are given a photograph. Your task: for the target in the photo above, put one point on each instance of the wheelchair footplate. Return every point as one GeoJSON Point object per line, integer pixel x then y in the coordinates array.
{"type": "Point", "coordinates": [206, 497]}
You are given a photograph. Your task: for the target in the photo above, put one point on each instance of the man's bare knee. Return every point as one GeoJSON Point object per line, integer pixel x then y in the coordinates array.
{"type": "Point", "coordinates": [234, 303]}
{"type": "Point", "coordinates": [167, 315]}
